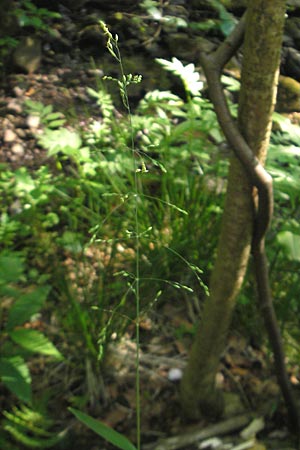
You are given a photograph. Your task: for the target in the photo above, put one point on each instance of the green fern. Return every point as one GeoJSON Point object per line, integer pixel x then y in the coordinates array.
{"type": "Point", "coordinates": [16, 340]}
{"type": "Point", "coordinates": [30, 428]}
{"type": "Point", "coordinates": [188, 74]}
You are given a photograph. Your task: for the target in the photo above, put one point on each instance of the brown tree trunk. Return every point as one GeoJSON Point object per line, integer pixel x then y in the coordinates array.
{"type": "Point", "coordinates": [262, 46]}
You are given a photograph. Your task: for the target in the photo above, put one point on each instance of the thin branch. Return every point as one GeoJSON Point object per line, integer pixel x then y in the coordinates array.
{"type": "Point", "coordinates": [255, 170]}
{"type": "Point", "coordinates": [185, 440]}
{"type": "Point", "coordinates": [231, 44]}
{"type": "Point", "coordinates": [269, 315]}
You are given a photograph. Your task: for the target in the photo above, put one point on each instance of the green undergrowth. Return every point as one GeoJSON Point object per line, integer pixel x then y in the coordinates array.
{"type": "Point", "coordinates": [74, 219]}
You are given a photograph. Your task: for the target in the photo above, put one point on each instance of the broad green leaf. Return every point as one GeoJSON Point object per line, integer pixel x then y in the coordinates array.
{"type": "Point", "coordinates": [35, 342]}
{"type": "Point", "coordinates": [59, 140]}
{"type": "Point", "coordinates": [15, 375]}
{"type": "Point", "coordinates": [103, 430]}
{"type": "Point", "coordinates": [48, 110]}
{"type": "Point", "coordinates": [155, 13]}
{"type": "Point", "coordinates": [291, 243]}
{"type": "Point", "coordinates": [26, 306]}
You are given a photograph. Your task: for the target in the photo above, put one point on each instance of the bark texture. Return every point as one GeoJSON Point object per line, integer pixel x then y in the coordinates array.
{"type": "Point", "coordinates": [264, 27]}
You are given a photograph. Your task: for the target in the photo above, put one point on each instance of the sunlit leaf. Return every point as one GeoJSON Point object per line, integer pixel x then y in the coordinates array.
{"type": "Point", "coordinates": [188, 74]}
{"type": "Point", "coordinates": [291, 244]}
{"type": "Point", "coordinates": [24, 181]}
{"type": "Point", "coordinates": [15, 375]}
{"type": "Point", "coordinates": [62, 140]}
{"type": "Point", "coordinates": [35, 342]}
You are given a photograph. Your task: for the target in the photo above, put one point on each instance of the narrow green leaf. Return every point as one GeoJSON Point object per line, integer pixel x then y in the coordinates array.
{"type": "Point", "coordinates": [104, 431]}
{"type": "Point", "coordinates": [35, 342]}
{"type": "Point", "coordinates": [47, 110]}
{"type": "Point", "coordinates": [29, 441]}
{"type": "Point", "coordinates": [54, 116]}
{"type": "Point", "coordinates": [56, 123]}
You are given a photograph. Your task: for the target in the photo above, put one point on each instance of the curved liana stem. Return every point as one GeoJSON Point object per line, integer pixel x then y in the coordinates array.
{"type": "Point", "coordinates": [213, 65]}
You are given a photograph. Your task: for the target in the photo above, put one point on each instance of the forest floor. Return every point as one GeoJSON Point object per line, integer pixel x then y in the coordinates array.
{"type": "Point", "coordinates": [245, 375]}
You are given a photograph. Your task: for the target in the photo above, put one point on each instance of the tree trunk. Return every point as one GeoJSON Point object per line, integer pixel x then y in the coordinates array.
{"type": "Point", "coordinates": [264, 26]}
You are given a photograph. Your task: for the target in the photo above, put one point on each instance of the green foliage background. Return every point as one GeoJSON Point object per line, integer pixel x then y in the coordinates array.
{"type": "Point", "coordinates": [67, 236]}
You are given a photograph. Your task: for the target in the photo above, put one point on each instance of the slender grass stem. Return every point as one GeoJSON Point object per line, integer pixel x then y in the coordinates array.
{"type": "Point", "coordinates": [137, 274]}
{"type": "Point", "coordinates": [112, 45]}
{"type": "Point", "coordinates": [137, 287]}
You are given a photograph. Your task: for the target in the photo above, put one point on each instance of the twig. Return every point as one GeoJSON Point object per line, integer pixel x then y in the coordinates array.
{"type": "Point", "coordinates": [184, 440]}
